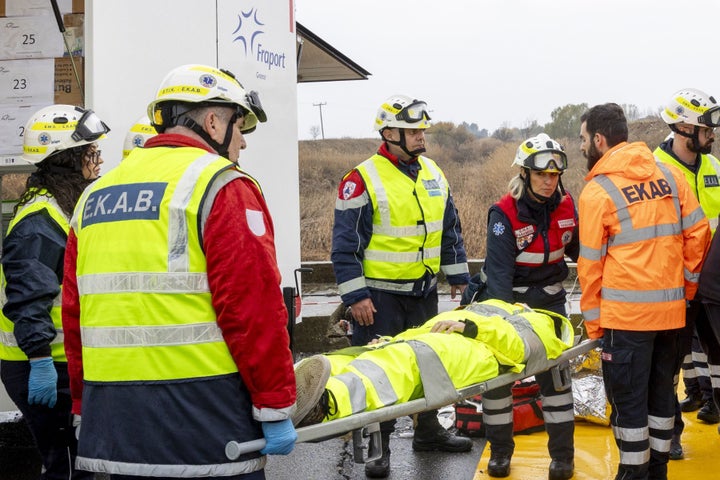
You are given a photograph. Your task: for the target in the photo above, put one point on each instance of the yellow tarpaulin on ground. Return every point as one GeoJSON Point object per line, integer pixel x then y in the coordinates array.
{"type": "Point", "coordinates": [596, 455]}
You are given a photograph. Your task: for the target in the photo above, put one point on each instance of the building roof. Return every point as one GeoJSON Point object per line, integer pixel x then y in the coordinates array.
{"type": "Point", "coordinates": [318, 61]}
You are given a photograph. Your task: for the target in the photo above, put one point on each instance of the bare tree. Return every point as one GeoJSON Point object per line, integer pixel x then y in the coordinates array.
{"type": "Point", "coordinates": [315, 132]}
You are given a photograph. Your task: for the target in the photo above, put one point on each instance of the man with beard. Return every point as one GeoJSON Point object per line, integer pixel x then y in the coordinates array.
{"type": "Point", "coordinates": [643, 238]}
{"type": "Point", "coordinates": [692, 115]}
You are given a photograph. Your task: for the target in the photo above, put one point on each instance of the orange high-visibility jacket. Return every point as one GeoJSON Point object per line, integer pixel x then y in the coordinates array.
{"type": "Point", "coordinates": [643, 239]}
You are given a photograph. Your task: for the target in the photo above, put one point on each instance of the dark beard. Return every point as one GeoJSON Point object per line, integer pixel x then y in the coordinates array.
{"type": "Point", "coordinates": [592, 156]}
{"type": "Point", "coordinates": [702, 150]}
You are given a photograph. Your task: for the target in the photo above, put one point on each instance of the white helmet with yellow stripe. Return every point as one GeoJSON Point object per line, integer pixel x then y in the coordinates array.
{"type": "Point", "coordinates": [401, 111]}
{"type": "Point", "coordinates": [692, 106]}
{"type": "Point", "coordinates": [138, 134]}
{"type": "Point", "coordinates": [541, 153]}
{"type": "Point", "coordinates": [60, 127]}
{"type": "Point", "coordinates": [191, 86]}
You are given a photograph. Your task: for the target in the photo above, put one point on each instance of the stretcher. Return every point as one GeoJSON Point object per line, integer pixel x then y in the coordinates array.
{"type": "Point", "coordinates": [368, 423]}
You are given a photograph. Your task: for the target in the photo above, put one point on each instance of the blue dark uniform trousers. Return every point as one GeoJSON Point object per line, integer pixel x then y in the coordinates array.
{"type": "Point", "coordinates": [395, 314]}
{"type": "Point", "coordinates": [638, 370]}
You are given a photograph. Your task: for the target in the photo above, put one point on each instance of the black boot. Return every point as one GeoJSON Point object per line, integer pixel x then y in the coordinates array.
{"type": "Point", "coordinates": [499, 465]}
{"type": "Point", "coordinates": [561, 469]}
{"type": "Point", "coordinates": [709, 412]}
{"type": "Point", "coordinates": [379, 468]}
{"type": "Point", "coordinates": [431, 436]}
{"type": "Point", "coordinates": [692, 402]}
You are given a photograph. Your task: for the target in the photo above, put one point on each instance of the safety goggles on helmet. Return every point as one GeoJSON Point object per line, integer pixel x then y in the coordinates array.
{"type": "Point", "coordinates": [547, 161]}
{"type": "Point", "coordinates": [253, 101]}
{"type": "Point", "coordinates": [711, 117]}
{"type": "Point", "coordinates": [413, 113]}
{"type": "Point", "coordinates": [89, 127]}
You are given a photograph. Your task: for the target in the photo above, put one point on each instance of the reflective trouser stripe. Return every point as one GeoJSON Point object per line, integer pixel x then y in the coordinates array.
{"type": "Point", "coordinates": [437, 386]}
{"type": "Point", "coordinates": [660, 431]}
{"type": "Point", "coordinates": [558, 408]}
{"type": "Point", "coordinates": [379, 379]}
{"type": "Point", "coordinates": [497, 411]}
{"type": "Point", "coordinates": [356, 391]}
{"type": "Point", "coordinates": [173, 471]}
{"type": "Point", "coordinates": [638, 438]}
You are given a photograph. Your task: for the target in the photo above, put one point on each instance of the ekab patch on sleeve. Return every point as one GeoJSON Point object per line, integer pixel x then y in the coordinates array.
{"type": "Point", "coordinates": [135, 201]}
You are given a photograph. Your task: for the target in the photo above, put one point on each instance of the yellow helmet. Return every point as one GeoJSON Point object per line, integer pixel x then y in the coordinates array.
{"type": "Point", "coordinates": [60, 127]}
{"type": "Point", "coordinates": [138, 135]}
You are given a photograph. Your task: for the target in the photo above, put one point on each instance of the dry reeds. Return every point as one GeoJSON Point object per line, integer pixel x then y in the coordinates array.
{"type": "Point", "coordinates": [478, 171]}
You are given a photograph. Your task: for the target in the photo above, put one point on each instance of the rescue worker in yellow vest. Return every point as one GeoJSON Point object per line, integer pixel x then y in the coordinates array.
{"type": "Point", "coordinates": [176, 329]}
{"type": "Point", "coordinates": [491, 337]}
{"type": "Point", "coordinates": [693, 115]}
{"type": "Point", "coordinates": [60, 140]}
{"type": "Point", "coordinates": [530, 230]}
{"type": "Point", "coordinates": [643, 238]}
{"type": "Point", "coordinates": [396, 227]}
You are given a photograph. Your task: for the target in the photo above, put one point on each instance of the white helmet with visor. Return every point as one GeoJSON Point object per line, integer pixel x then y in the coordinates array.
{"type": "Point", "coordinates": [401, 111]}
{"type": "Point", "coordinates": [189, 86]}
{"type": "Point", "coordinates": [60, 127]}
{"type": "Point", "coordinates": [541, 153]}
{"type": "Point", "coordinates": [694, 107]}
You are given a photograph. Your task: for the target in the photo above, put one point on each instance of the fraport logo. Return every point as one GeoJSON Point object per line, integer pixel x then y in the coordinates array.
{"type": "Point", "coordinates": [249, 33]}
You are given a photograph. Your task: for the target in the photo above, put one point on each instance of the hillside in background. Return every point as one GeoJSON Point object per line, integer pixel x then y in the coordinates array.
{"type": "Point", "coordinates": [478, 171]}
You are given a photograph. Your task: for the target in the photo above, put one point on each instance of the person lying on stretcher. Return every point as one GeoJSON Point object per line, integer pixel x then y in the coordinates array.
{"type": "Point", "coordinates": [470, 344]}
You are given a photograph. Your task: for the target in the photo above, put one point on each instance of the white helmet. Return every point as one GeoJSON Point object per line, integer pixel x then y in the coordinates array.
{"type": "Point", "coordinates": [60, 127]}
{"type": "Point", "coordinates": [694, 107]}
{"type": "Point", "coordinates": [202, 84]}
{"type": "Point", "coordinates": [541, 153]}
{"type": "Point", "coordinates": [138, 135]}
{"type": "Point", "coordinates": [401, 111]}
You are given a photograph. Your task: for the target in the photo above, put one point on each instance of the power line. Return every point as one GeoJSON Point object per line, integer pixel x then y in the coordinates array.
{"type": "Point", "coordinates": [322, 127]}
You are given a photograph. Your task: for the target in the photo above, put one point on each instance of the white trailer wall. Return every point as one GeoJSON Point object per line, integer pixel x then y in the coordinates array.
{"type": "Point", "coordinates": [131, 44]}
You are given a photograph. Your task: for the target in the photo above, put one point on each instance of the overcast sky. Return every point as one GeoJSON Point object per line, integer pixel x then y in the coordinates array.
{"type": "Point", "coordinates": [507, 62]}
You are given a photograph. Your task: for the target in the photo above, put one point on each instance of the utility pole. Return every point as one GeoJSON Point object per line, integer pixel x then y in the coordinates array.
{"type": "Point", "coordinates": [322, 128]}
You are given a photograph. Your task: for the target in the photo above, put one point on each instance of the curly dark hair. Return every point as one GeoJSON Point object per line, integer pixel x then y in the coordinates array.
{"type": "Point", "coordinates": [61, 175]}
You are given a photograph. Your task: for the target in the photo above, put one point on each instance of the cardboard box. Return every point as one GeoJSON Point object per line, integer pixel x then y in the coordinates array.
{"type": "Point", "coordinates": [39, 7]}
{"type": "Point", "coordinates": [75, 33]}
{"type": "Point", "coordinates": [67, 90]}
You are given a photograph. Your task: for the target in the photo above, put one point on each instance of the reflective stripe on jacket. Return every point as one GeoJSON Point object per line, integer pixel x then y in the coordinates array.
{"type": "Point", "coordinates": [9, 349]}
{"type": "Point", "coordinates": [534, 248]}
{"type": "Point", "coordinates": [407, 221]}
{"type": "Point", "coordinates": [131, 328]}
{"type": "Point", "coordinates": [151, 347]}
{"type": "Point", "coordinates": [643, 237]}
{"type": "Point", "coordinates": [704, 182]}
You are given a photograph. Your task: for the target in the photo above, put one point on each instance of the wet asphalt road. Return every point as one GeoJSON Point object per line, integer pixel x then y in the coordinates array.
{"type": "Point", "coordinates": [332, 460]}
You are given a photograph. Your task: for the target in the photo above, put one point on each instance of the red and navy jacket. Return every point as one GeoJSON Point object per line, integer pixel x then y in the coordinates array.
{"type": "Point", "coordinates": [353, 228]}
{"type": "Point", "coordinates": [527, 242]}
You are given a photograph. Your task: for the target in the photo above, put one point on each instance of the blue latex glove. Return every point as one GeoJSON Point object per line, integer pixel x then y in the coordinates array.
{"type": "Point", "coordinates": [42, 385]}
{"type": "Point", "coordinates": [279, 437]}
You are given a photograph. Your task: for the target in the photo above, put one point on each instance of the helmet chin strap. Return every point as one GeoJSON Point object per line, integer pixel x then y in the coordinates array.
{"type": "Point", "coordinates": [220, 148]}
{"type": "Point", "coordinates": [403, 145]}
{"type": "Point", "coordinates": [692, 136]}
